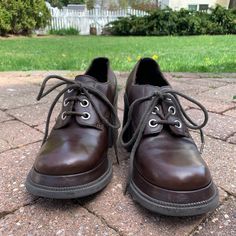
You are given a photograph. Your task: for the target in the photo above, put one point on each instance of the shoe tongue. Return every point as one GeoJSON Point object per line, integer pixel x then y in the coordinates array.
{"type": "Point", "coordinates": [138, 91]}
{"type": "Point", "coordinates": [85, 78]}
{"type": "Point", "coordinates": [93, 82]}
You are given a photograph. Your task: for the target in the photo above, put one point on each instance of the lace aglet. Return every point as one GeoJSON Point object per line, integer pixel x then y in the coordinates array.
{"type": "Point", "coordinates": [201, 148]}
{"type": "Point", "coordinates": [115, 147]}
{"type": "Point", "coordinates": [116, 154]}
{"type": "Point", "coordinates": [41, 91]}
{"type": "Point", "coordinates": [126, 189]}
{"type": "Point", "coordinates": [43, 142]}
{"type": "Point", "coordinates": [117, 160]}
{"type": "Point", "coordinates": [39, 96]}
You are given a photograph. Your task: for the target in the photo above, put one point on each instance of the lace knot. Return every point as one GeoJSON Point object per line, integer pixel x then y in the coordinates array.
{"type": "Point", "coordinates": [158, 94]}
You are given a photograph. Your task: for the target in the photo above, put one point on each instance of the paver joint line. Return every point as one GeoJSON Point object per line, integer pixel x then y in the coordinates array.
{"type": "Point", "coordinates": [209, 215]}
{"type": "Point", "coordinates": [15, 118]}
{"type": "Point", "coordinates": [103, 220]}
{"type": "Point", "coordinates": [19, 147]}
{"type": "Point", "coordinates": [229, 193]}
{"type": "Point", "coordinates": [230, 109]}
{"type": "Point", "coordinates": [3, 214]}
{"type": "Point", "coordinates": [230, 135]}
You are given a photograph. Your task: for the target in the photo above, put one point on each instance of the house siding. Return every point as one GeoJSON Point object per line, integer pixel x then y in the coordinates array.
{"type": "Point", "coordinates": [178, 4]}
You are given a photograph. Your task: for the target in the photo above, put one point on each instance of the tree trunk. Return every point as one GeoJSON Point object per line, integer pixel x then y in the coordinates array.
{"type": "Point", "coordinates": [232, 4]}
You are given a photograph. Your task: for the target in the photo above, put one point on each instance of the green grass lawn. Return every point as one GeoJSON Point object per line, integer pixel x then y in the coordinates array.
{"type": "Point", "coordinates": [190, 54]}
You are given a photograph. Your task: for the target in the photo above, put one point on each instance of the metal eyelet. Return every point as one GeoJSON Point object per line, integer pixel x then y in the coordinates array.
{"type": "Point", "coordinates": [179, 124]}
{"type": "Point", "coordinates": [85, 116]}
{"type": "Point", "coordinates": [156, 108]}
{"type": "Point", "coordinates": [172, 110]}
{"type": "Point", "coordinates": [152, 124]}
{"type": "Point", "coordinates": [70, 90]}
{"type": "Point", "coordinates": [63, 115]}
{"type": "Point", "coordinates": [66, 102]}
{"type": "Point", "coordinates": [84, 103]}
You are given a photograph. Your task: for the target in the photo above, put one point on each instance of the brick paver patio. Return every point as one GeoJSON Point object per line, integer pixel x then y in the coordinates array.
{"type": "Point", "coordinates": [22, 121]}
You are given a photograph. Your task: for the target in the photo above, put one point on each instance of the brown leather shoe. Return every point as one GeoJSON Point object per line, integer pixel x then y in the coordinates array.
{"type": "Point", "coordinates": [72, 161]}
{"type": "Point", "coordinates": [167, 172]}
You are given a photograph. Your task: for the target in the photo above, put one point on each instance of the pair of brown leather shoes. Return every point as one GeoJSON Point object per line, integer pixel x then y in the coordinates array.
{"type": "Point", "coordinates": [167, 174]}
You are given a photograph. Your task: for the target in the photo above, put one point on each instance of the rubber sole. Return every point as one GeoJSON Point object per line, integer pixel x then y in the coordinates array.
{"type": "Point", "coordinates": [173, 209]}
{"type": "Point", "coordinates": [70, 192]}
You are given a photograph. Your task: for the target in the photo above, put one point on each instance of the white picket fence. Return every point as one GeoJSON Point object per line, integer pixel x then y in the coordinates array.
{"type": "Point", "coordinates": [82, 21]}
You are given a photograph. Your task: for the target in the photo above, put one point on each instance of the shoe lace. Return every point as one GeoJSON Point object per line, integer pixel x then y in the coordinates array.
{"type": "Point", "coordinates": [155, 98]}
{"type": "Point", "coordinates": [86, 90]}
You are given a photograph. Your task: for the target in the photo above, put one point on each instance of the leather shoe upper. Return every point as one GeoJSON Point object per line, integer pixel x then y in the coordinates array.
{"type": "Point", "coordinates": [79, 140]}
{"type": "Point", "coordinates": [165, 153]}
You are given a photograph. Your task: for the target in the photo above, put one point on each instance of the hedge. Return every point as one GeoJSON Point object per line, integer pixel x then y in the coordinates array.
{"type": "Point", "coordinates": [183, 22]}
{"type": "Point", "coordinates": [22, 16]}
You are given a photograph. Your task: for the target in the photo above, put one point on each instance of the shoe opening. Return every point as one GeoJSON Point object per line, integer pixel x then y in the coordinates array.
{"type": "Point", "coordinates": [148, 72]}
{"type": "Point", "coordinates": [99, 69]}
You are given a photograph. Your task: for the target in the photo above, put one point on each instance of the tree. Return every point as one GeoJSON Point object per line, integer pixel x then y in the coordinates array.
{"type": "Point", "coordinates": [113, 5]}
{"type": "Point", "coordinates": [90, 4]}
{"type": "Point", "coordinates": [232, 4]}
{"type": "Point", "coordinates": [123, 3]}
{"type": "Point", "coordinates": [56, 3]}
{"type": "Point", "coordinates": [5, 20]}
{"type": "Point", "coordinates": [145, 5]}
{"type": "Point", "coordinates": [23, 16]}
{"type": "Point", "coordinates": [61, 3]}
{"type": "Point", "coordinates": [76, 2]}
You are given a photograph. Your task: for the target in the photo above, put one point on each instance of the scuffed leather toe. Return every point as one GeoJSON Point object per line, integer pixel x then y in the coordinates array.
{"type": "Point", "coordinates": [78, 154]}
{"type": "Point", "coordinates": [178, 167]}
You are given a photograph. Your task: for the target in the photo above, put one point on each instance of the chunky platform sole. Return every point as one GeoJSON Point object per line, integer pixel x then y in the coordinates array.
{"type": "Point", "coordinates": [171, 208]}
{"type": "Point", "coordinates": [64, 192]}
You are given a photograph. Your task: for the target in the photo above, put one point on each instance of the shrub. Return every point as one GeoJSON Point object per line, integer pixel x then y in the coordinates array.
{"type": "Point", "coordinates": [23, 16]}
{"type": "Point", "coordinates": [5, 21]}
{"type": "Point", "coordinates": [183, 22]}
{"type": "Point", "coordinates": [224, 19]}
{"type": "Point", "coordinates": [61, 3]}
{"type": "Point", "coordinates": [63, 32]}
{"type": "Point", "coordinates": [122, 26]}
{"type": "Point", "coordinates": [143, 6]}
